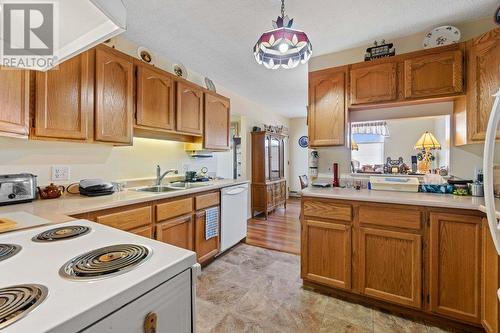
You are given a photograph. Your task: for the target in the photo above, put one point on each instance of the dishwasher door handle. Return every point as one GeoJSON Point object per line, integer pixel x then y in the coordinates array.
{"type": "Point", "coordinates": [235, 191]}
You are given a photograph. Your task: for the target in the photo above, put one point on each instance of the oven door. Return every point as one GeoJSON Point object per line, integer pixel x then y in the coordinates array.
{"type": "Point", "coordinates": [167, 308]}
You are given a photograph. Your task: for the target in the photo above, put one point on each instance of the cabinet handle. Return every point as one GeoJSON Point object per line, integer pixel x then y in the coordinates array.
{"type": "Point", "coordinates": [150, 323]}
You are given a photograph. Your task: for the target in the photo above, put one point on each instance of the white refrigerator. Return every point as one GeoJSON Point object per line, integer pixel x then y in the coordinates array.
{"type": "Point", "coordinates": [488, 161]}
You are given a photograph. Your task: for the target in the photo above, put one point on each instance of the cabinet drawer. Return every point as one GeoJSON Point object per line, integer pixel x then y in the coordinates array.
{"type": "Point", "coordinates": [207, 200]}
{"type": "Point", "coordinates": [168, 210]}
{"type": "Point", "coordinates": [127, 219]}
{"type": "Point", "coordinates": [393, 217]}
{"type": "Point", "coordinates": [328, 210]}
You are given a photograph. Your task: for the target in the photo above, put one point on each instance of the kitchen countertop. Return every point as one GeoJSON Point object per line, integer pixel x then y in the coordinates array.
{"type": "Point", "coordinates": [59, 210]}
{"type": "Point", "coordinates": [403, 198]}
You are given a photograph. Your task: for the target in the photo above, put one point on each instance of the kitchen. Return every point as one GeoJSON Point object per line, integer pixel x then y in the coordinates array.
{"type": "Point", "coordinates": [349, 187]}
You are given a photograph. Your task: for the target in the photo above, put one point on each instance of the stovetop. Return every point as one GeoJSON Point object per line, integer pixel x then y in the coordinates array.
{"type": "Point", "coordinates": [71, 304]}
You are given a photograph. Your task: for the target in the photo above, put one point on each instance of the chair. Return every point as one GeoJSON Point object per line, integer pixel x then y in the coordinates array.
{"type": "Point", "coordinates": [304, 182]}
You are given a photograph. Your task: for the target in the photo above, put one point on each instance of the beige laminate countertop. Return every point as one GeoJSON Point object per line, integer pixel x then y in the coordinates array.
{"type": "Point", "coordinates": [403, 198]}
{"type": "Point", "coordinates": [59, 210]}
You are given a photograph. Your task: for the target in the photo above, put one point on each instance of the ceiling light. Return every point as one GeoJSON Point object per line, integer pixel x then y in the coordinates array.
{"type": "Point", "coordinates": [283, 46]}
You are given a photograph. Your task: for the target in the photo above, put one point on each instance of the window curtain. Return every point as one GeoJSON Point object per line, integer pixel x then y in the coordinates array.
{"type": "Point", "coordinates": [371, 127]}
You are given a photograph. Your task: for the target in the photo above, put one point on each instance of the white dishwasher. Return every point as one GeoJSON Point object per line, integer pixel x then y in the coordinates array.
{"type": "Point", "coordinates": [234, 213]}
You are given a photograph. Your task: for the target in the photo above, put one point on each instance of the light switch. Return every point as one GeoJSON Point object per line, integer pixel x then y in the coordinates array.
{"type": "Point", "coordinates": [60, 172]}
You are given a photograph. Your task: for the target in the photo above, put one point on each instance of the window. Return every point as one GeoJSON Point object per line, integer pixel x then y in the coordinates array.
{"type": "Point", "coordinates": [370, 149]}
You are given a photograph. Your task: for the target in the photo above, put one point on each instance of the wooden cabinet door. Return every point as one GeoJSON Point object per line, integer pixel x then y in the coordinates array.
{"type": "Point", "coordinates": [390, 266]}
{"type": "Point", "coordinates": [14, 101]}
{"type": "Point", "coordinates": [482, 82]}
{"type": "Point", "coordinates": [205, 249]}
{"type": "Point", "coordinates": [283, 190]}
{"type": "Point", "coordinates": [455, 261]}
{"type": "Point", "coordinates": [177, 232]}
{"type": "Point", "coordinates": [374, 83]}
{"type": "Point", "coordinates": [114, 96]}
{"type": "Point", "coordinates": [143, 231]}
{"type": "Point", "coordinates": [434, 75]}
{"type": "Point", "coordinates": [189, 109]}
{"type": "Point", "coordinates": [490, 283]}
{"type": "Point", "coordinates": [326, 253]}
{"type": "Point", "coordinates": [327, 108]}
{"type": "Point", "coordinates": [270, 196]}
{"type": "Point", "coordinates": [155, 98]}
{"type": "Point", "coordinates": [217, 122]}
{"type": "Point", "coordinates": [64, 100]}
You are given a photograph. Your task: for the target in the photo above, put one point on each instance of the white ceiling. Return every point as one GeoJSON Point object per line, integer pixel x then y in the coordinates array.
{"type": "Point", "coordinates": [215, 37]}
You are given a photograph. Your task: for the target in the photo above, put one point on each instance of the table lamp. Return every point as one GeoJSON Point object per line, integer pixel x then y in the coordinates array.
{"type": "Point", "coordinates": [426, 143]}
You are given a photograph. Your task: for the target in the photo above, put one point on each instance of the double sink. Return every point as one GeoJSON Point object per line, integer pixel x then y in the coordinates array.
{"type": "Point", "coordinates": [171, 187]}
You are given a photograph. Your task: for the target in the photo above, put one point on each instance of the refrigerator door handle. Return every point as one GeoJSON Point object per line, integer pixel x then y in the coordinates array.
{"type": "Point", "coordinates": [488, 158]}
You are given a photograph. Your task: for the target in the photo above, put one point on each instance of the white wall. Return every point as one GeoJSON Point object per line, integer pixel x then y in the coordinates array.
{"type": "Point", "coordinates": [138, 161]}
{"type": "Point", "coordinates": [298, 155]}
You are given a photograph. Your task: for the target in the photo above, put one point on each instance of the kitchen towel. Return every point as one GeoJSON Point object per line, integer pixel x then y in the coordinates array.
{"type": "Point", "coordinates": [211, 223]}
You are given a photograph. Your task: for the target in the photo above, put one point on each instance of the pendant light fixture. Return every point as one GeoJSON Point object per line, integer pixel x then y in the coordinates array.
{"type": "Point", "coordinates": [283, 46]}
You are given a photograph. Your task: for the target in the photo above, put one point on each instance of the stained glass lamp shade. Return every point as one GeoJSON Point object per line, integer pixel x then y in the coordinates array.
{"type": "Point", "coordinates": [283, 46]}
{"type": "Point", "coordinates": [427, 142]}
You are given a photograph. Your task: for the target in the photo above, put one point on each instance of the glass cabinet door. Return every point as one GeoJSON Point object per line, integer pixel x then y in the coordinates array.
{"type": "Point", "coordinates": [266, 157]}
{"type": "Point", "coordinates": [282, 158]}
{"type": "Point", "coordinates": [275, 157]}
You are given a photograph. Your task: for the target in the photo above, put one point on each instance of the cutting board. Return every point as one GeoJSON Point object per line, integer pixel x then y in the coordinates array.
{"type": "Point", "coordinates": [20, 220]}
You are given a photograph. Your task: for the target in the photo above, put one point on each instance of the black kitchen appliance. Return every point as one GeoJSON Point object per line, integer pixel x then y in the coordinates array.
{"type": "Point", "coordinates": [95, 187]}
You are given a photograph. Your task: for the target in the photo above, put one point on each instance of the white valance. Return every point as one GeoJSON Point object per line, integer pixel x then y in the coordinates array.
{"type": "Point", "coordinates": [371, 127]}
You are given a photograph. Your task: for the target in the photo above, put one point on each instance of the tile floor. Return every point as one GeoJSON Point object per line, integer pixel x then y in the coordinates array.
{"type": "Point", "coordinates": [251, 289]}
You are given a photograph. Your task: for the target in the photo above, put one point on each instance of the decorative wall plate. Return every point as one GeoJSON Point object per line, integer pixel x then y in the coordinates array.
{"type": "Point", "coordinates": [180, 70]}
{"type": "Point", "coordinates": [210, 85]}
{"type": "Point", "coordinates": [444, 35]}
{"type": "Point", "coordinates": [304, 141]}
{"type": "Point", "coordinates": [144, 54]}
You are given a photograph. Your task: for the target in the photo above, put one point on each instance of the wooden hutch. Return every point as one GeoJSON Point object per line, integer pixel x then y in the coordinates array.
{"type": "Point", "coordinates": [268, 172]}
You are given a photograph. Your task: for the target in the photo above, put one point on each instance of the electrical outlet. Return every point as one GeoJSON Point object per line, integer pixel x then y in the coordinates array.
{"type": "Point", "coordinates": [60, 172]}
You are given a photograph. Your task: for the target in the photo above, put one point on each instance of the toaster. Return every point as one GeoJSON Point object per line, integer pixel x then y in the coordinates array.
{"type": "Point", "coordinates": [17, 188]}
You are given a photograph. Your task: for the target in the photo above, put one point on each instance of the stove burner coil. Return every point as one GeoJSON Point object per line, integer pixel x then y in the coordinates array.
{"type": "Point", "coordinates": [105, 262]}
{"type": "Point", "coordinates": [61, 233]}
{"type": "Point", "coordinates": [17, 301]}
{"type": "Point", "coordinates": [8, 250]}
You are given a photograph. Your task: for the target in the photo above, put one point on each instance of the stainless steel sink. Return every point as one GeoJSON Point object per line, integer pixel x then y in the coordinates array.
{"type": "Point", "coordinates": [157, 189]}
{"type": "Point", "coordinates": [185, 185]}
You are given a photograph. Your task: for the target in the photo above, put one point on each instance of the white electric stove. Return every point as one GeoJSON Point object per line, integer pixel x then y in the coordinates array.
{"type": "Point", "coordinates": [126, 284]}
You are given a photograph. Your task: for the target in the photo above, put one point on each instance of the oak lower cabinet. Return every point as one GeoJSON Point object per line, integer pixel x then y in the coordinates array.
{"type": "Point", "coordinates": [216, 122]}
{"type": "Point", "coordinates": [114, 96]}
{"type": "Point", "coordinates": [206, 249]}
{"type": "Point", "coordinates": [155, 98]}
{"type": "Point", "coordinates": [373, 83]}
{"type": "Point", "coordinates": [327, 107]}
{"type": "Point", "coordinates": [189, 109]}
{"type": "Point", "coordinates": [177, 232]}
{"type": "Point", "coordinates": [64, 100]}
{"type": "Point", "coordinates": [326, 253]}
{"type": "Point", "coordinates": [390, 266]}
{"type": "Point", "coordinates": [454, 265]}
{"type": "Point", "coordinates": [434, 74]}
{"type": "Point", "coordinates": [14, 102]}
{"type": "Point", "coordinates": [490, 283]}
{"type": "Point", "coordinates": [146, 231]}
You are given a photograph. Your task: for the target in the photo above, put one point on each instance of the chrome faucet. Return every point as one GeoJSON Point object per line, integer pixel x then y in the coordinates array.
{"type": "Point", "coordinates": [160, 176]}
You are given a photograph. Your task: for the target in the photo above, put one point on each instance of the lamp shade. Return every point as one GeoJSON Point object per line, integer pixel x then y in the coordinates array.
{"type": "Point", "coordinates": [427, 142]}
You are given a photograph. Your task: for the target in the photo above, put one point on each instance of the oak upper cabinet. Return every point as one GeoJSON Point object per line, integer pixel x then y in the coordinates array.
{"type": "Point", "coordinates": [482, 82]}
{"type": "Point", "coordinates": [217, 122]}
{"type": "Point", "coordinates": [14, 102]}
{"type": "Point", "coordinates": [155, 98]}
{"type": "Point", "coordinates": [177, 232]}
{"type": "Point", "coordinates": [327, 107]}
{"type": "Point", "coordinates": [455, 261]}
{"type": "Point", "coordinates": [114, 96]}
{"type": "Point", "coordinates": [490, 283]}
{"type": "Point", "coordinates": [189, 109]}
{"type": "Point", "coordinates": [373, 83]}
{"type": "Point", "coordinates": [390, 266]}
{"type": "Point", "coordinates": [434, 75]}
{"type": "Point", "coordinates": [326, 253]}
{"type": "Point", "coordinates": [64, 100]}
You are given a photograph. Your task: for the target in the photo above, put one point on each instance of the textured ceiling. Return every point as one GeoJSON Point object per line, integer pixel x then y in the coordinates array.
{"type": "Point", "coordinates": [215, 37]}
